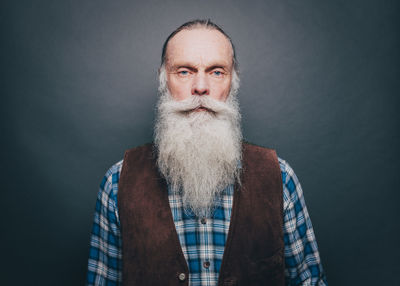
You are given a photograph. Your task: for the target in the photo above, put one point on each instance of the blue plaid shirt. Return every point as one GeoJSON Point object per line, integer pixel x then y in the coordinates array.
{"type": "Point", "coordinates": [204, 241]}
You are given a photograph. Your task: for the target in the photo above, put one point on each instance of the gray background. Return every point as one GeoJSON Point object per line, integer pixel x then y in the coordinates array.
{"type": "Point", "coordinates": [320, 81]}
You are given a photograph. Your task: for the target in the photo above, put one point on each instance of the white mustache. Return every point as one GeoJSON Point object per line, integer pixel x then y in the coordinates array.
{"type": "Point", "coordinates": [194, 102]}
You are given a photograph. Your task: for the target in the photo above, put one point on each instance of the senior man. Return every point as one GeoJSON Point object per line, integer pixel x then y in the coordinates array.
{"type": "Point", "coordinates": [199, 206]}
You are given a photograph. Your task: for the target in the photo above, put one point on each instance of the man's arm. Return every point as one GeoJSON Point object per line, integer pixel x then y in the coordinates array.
{"type": "Point", "coordinates": [303, 264]}
{"type": "Point", "coordinates": [105, 259]}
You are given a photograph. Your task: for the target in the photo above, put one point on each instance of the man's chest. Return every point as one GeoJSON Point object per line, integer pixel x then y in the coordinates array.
{"type": "Point", "coordinates": [203, 239]}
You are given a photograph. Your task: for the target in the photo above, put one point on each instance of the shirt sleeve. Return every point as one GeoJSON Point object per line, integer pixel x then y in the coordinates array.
{"type": "Point", "coordinates": [302, 260]}
{"type": "Point", "coordinates": [105, 258]}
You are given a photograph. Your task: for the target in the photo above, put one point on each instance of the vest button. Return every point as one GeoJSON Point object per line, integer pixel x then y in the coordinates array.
{"type": "Point", "coordinates": [203, 220]}
{"type": "Point", "coordinates": [182, 276]}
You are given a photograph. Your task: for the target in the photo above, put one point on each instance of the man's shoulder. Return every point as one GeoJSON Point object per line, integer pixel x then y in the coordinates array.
{"type": "Point", "coordinates": [109, 185]}
{"type": "Point", "coordinates": [251, 145]}
{"type": "Point", "coordinates": [283, 165]}
{"type": "Point", "coordinates": [138, 153]}
{"type": "Point", "coordinates": [141, 148]}
{"type": "Point", "coordinates": [115, 169]}
{"type": "Point", "coordinates": [291, 185]}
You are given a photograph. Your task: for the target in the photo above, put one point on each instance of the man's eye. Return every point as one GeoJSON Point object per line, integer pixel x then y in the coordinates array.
{"type": "Point", "coordinates": [184, 73]}
{"type": "Point", "coordinates": [217, 73]}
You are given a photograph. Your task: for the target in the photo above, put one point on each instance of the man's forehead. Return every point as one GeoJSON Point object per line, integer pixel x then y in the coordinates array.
{"type": "Point", "coordinates": [199, 46]}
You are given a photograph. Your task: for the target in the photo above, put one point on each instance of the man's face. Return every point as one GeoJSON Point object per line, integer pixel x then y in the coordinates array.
{"type": "Point", "coordinates": [199, 62]}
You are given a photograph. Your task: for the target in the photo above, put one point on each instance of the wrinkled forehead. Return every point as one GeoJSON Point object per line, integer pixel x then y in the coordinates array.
{"type": "Point", "coordinates": [199, 46]}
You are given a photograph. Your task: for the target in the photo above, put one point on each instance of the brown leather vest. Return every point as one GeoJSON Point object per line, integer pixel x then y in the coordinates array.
{"type": "Point", "coordinates": [151, 250]}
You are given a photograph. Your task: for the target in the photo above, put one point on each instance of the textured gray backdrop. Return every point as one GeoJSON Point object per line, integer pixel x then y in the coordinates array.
{"type": "Point", "coordinates": [320, 83]}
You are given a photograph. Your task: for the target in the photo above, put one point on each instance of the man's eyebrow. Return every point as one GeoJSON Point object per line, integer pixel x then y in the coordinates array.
{"type": "Point", "coordinates": [194, 68]}
{"type": "Point", "coordinates": [184, 65]}
{"type": "Point", "coordinates": [217, 66]}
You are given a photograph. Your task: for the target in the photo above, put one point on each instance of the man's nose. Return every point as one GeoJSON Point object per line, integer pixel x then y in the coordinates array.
{"type": "Point", "coordinates": [200, 85]}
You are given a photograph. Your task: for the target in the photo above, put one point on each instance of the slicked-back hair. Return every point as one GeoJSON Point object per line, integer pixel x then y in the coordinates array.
{"type": "Point", "coordinates": [198, 23]}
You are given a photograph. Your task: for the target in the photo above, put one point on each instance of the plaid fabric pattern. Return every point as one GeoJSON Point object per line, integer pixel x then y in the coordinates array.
{"type": "Point", "coordinates": [203, 242]}
{"type": "Point", "coordinates": [105, 257]}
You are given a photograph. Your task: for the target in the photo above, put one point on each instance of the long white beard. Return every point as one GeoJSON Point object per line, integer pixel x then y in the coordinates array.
{"type": "Point", "coordinates": [198, 152]}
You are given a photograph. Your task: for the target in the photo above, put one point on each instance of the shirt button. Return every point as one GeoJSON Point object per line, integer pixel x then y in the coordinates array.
{"type": "Point", "coordinates": [182, 276]}
{"type": "Point", "coordinates": [206, 264]}
{"type": "Point", "coordinates": [203, 220]}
